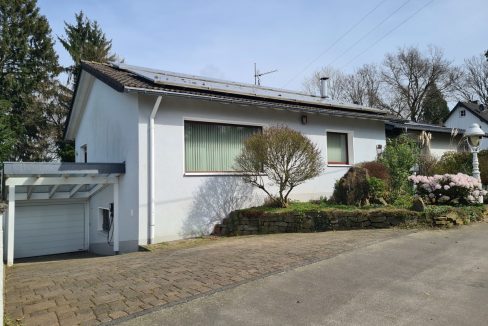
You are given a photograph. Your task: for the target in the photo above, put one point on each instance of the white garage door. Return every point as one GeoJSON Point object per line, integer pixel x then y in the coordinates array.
{"type": "Point", "coordinates": [49, 229]}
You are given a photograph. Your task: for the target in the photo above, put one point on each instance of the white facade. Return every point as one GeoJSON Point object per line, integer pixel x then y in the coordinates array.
{"type": "Point", "coordinates": [114, 128]}
{"type": "Point", "coordinates": [108, 130]}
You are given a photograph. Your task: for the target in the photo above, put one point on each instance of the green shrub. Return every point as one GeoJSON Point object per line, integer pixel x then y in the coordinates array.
{"type": "Point", "coordinates": [467, 213]}
{"type": "Point", "coordinates": [453, 163]}
{"type": "Point", "coordinates": [400, 155]}
{"type": "Point", "coordinates": [377, 188]}
{"type": "Point", "coordinates": [403, 201]}
{"type": "Point", "coordinates": [462, 162]}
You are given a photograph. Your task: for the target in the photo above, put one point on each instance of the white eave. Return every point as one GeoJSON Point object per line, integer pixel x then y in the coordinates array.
{"type": "Point", "coordinates": [81, 96]}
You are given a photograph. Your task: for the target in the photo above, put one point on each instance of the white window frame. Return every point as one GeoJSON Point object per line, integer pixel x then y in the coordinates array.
{"type": "Point", "coordinates": [216, 121]}
{"type": "Point", "coordinates": [350, 147]}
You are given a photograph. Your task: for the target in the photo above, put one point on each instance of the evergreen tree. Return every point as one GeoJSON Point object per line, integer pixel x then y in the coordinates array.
{"type": "Point", "coordinates": [434, 106]}
{"type": "Point", "coordinates": [85, 41]}
{"type": "Point", "coordinates": [7, 136]}
{"type": "Point", "coordinates": [28, 68]}
{"type": "Point", "coordinates": [57, 111]}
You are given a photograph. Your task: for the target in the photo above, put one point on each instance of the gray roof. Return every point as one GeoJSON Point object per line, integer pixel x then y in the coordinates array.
{"type": "Point", "coordinates": [161, 77]}
{"type": "Point", "coordinates": [63, 168]}
{"type": "Point", "coordinates": [411, 125]}
{"type": "Point", "coordinates": [126, 78]}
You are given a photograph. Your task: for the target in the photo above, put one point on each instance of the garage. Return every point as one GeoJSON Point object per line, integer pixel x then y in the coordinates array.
{"type": "Point", "coordinates": [49, 229]}
{"type": "Point", "coordinates": [49, 205]}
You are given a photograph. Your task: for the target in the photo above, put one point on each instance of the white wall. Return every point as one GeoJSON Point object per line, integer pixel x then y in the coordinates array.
{"type": "Point", "coordinates": [440, 142]}
{"type": "Point", "coordinates": [176, 192]}
{"type": "Point", "coordinates": [456, 121]}
{"type": "Point", "coordinates": [109, 129]}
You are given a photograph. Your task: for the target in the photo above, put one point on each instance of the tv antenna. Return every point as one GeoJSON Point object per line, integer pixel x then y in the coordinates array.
{"type": "Point", "coordinates": [258, 75]}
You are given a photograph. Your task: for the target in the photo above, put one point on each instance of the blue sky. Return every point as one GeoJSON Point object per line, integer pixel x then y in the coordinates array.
{"type": "Point", "coordinates": [223, 39]}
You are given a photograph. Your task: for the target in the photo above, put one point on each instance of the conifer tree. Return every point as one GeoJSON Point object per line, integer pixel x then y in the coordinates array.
{"type": "Point", "coordinates": [434, 107]}
{"type": "Point", "coordinates": [85, 40]}
{"type": "Point", "coordinates": [28, 68]}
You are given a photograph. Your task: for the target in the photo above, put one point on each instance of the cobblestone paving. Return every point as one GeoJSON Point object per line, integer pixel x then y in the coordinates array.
{"type": "Point", "coordinates": [95, 290]}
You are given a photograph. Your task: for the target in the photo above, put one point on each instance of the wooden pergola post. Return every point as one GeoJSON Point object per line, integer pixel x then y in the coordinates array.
{"type": "Point", "coordinates": [10, 225]}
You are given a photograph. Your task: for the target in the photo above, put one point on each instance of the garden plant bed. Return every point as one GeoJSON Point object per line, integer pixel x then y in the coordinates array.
{"type": "Point", "coordinates": [306, 217]}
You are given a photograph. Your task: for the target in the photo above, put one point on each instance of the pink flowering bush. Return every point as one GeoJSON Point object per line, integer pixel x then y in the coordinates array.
{"type": "Point", "coordinates": [448, 188]}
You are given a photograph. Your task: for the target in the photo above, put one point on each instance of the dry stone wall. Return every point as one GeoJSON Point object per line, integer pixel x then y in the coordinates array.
{"type": "Point", "coordinates": [248, 222]}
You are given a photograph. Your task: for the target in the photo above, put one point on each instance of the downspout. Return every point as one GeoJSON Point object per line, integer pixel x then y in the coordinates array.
{"type": "Point", "coordinates": [151, 175]}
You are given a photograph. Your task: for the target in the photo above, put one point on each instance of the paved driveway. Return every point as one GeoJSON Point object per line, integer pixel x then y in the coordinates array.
{"type": "Point", "coordinates": [102, 289]}
{"type": "Point", "coordinates": [435, 278]}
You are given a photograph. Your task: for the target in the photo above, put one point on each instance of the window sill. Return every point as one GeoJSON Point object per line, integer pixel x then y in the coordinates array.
{"type": "Point", "coordinates": [213, 174]}
{"type": "Point", "coordinates": [339, 165]}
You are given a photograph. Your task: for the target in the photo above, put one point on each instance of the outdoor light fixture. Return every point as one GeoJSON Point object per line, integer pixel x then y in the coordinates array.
{"type": "Point", "coordinates": [473, 136]}
{"type": "Point", "coordinates": [304, 119]}
{"type": "Point", "coordinates": [379, 149]}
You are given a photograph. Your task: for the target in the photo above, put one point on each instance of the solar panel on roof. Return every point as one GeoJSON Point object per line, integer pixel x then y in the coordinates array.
{"type": "Point", "coordinates": [197, 82]}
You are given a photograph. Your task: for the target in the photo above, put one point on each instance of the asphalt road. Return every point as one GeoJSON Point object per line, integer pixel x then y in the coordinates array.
{"type": "Point", "coordinates": [433, 277]}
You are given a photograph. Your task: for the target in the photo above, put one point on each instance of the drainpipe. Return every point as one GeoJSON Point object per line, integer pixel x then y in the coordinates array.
{"type": "Point", "coordinates": [151, 177]}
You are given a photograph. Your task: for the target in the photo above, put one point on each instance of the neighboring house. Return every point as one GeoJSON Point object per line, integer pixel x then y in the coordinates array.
{"type": "Point", "coordinates": [464, 114]}
{"type": "Point", "coordinates": [443, 139]}
{"type": "Point", "coordinates": [168, 142]}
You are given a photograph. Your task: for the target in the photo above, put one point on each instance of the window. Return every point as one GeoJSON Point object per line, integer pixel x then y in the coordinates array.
{"type": "Point", "coordinates": [337, 148]}
{"type": "Point", "coordinates": [84, 152]}
{"type": "Point", "coordinates": [462, 113]}
{"type": "Point", "coordinates": [104, 223]}
{"type": "Point", "coordinates": [213, 147]}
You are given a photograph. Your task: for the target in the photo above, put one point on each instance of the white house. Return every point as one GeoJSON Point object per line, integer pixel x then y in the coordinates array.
{"type": "Point", "coordinates": [464, 114]}
{"type": "Point", "coordinates": [159, 150]}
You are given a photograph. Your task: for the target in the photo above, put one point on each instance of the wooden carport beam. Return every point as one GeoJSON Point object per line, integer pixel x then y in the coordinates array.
{"type": "Point", "coordinates": [53, 191]}
{"type": "Point", "coordinates": [75, 190]}
{"type": "Point", "coordinates": [49, 181]}
{"type": "Point", "coordinates": [29, 191]}
{"type": "Point", "coordinates": [96, 189]}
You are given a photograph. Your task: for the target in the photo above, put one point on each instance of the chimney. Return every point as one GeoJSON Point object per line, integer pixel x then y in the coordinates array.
{"type": "Point", "coordinates": [323, 87]}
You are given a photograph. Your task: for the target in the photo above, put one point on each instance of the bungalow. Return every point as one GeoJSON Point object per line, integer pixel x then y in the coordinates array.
{"type": "Point", "coordinates": [154, 157]}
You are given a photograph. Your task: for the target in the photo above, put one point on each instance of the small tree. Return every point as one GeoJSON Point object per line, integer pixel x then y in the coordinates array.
{"type": "Point", "coordinates": [400, 155]}
{"type": "Point", "coordinates": [285, 156]}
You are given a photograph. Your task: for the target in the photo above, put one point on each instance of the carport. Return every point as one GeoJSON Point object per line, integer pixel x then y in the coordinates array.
{"type": "Point", "coordinates": [48, 206]}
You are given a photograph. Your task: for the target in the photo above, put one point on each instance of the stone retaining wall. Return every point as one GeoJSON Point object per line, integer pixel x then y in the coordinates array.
{"type": "Point", "coordinates": [247, 222]}
{"type": "Point", "coordinates": [256, 221]}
